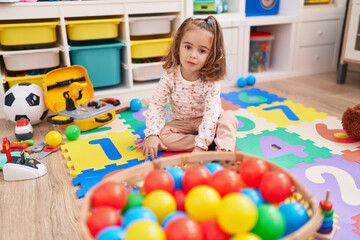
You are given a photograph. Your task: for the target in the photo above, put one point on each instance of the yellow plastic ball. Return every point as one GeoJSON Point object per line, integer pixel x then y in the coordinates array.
{"type": "Point", "coordinates": [161, 203]}
{"type": "Point", "coordinates": [53, 138]}
{"type": "Point", "coordinates": [202, 203]}
{"type": "Point", "coordinates": [246, 236]}
{"type": "Point", "coordinates": [145, 230]}
{"type": "Point", "coordinates": [237, 214]}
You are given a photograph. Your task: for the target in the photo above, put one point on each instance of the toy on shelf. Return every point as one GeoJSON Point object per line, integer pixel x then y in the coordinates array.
{"type": "Point", "coordinates": [25, 101]}
{"type": "Point", "coordinates": [261, 7]}
{"type": "Point", "coordinates": [260, 51]}
{"type": "Point", "coordinates": [351, 121]}
{"type": "Point", "coordinates": [21, 167]}
{"type": "Point", "coordinates": [326, 231]}
{"type": "Point", "coordinates": [250, 80]}
{"type": "Point", "coordinates": [210, 6]}
{"type": "Point", "coordinates": [23, 130]}
{"type": "Point", "coordinates": [69, 92]}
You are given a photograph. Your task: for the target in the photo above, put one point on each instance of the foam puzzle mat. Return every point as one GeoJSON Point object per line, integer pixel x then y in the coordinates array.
{"type": "Point", "coordinates": [310, 144]}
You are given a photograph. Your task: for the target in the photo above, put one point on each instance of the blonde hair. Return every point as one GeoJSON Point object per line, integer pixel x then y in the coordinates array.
{"type": "Point", "coordinates": [215, 65]}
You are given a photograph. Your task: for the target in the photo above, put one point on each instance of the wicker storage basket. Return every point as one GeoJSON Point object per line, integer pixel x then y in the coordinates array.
{"type": "Point", "coordinates": [132, 176]}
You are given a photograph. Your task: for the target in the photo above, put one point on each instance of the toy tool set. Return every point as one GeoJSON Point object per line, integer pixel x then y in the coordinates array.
{"type": "Point", "coordinates": [69, 92]}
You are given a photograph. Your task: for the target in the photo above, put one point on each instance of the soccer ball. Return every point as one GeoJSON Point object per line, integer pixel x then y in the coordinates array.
{"type": "Point", "coordinates": [25, 100]}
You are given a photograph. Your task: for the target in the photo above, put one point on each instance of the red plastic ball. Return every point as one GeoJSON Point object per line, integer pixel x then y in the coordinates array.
{"type": "Point", "coordinates": [275, 186]}
{"type": "Point", "coordinates": [226, 181]}
{"type": "Point", "coordinates": [212, 231]}
{"type": "Point", "coordinates": [110, 194]}
{"type": "Point", "coordinates": [179, 196]}
{"type": "Point", "coordinates": [159, 179]}
{"type": "Point", "coordinates": [194, 176]}
{"type": "Point", "coordinates": [184, 228]}
{"type": "Point", "coordinates": [252, 171]}
{"type": "Point", "coordinates": [101, 218]}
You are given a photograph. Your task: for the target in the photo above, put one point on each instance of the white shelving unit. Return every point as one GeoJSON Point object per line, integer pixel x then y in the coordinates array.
{"type": "Point", "coordinates": [306, 40]}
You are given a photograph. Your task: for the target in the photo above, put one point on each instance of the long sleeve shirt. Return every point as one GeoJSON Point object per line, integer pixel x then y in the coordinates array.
{"type": "Point", "coordinates": [187, 100]}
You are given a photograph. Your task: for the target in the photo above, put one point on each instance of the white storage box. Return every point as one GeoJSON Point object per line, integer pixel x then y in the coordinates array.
{"type": "Point", "coordinates": [147, 71]}
{"type": "Point", "coordinates": [153, 25]}
{"type": "Point", "coordinates": [31, 59]}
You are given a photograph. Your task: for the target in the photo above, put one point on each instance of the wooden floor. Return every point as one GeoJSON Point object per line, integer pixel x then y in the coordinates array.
{"type": "Point", "coordinates": [48, 208]}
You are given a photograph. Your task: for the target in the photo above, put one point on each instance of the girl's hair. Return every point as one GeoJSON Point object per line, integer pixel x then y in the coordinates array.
{"type": "Point", "coordinates": [215, 65]}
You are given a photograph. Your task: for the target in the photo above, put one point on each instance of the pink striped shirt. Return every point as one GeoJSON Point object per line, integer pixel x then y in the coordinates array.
{"type": "Point", "coordinates": [187, 100]}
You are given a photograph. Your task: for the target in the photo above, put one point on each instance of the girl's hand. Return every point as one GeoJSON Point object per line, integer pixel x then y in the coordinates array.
{"type": "Point", "coordinates": [197, 149]}
{"type": "Point", "coordinates": [151, 146]}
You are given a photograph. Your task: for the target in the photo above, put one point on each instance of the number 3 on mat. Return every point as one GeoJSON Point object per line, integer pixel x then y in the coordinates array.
{"type": "Point", "coordinates": [108, 147]}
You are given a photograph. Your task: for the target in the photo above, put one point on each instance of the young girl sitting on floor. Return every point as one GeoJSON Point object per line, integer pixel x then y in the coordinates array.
{"type": "Point", "coordinates": [194, 67]}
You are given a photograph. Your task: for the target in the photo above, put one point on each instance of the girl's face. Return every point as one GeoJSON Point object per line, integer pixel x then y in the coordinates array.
{"type": "Point", "coordinates": [195, 47]}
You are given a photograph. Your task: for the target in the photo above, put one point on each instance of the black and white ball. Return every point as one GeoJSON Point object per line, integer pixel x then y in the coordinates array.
{"type": "Point", "coordinates": [25, 100]}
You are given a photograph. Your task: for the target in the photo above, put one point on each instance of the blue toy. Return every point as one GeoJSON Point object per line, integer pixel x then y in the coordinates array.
{"type": "Point", "coordinates": [112, 232]}
{"type": "Point", "coordinates": [177, 174]}
{"type": "Point", "coordinates": [254, 195]}
{"type": "Point", "coordinates": [250, 80]}
{"type": "Point", "coordinates": [261, 7]}
{"type": "Point", "coordinates": [135, 104]}
{"type": "Point", "coordinates": [137, 213]}
{"type": "Point", "coordinates": [172, 216]}
{"type": "Point", "coordinates": [295, 215]}
{"type": "Point", "coordinates": [214, 167]}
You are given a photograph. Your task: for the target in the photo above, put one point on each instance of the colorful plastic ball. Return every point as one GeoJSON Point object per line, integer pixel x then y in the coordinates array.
{"type": "Point", "coordinates": [184, 228]}
{"type": "Point", "coordinates": [241, 82]}
{"type": "Point", "coordinates": [135, 104]}
{"type": "Point", "coordinates": [226, 181]}
{"type": "Point", "coordinates": [246, 236]}
{"type": "Point", "coordinates": [252, 171]}
{"type": "Point", "coordinates": [271, 224]}
{"type": "Point", "coordinates": [250, 80]}
{"type": "Point", "coordinates": [138, 213]}
{"type": "Point", "coordinates": [177, 174]}
{"type": "Point", "coordinates": [179, 196]}
{"type": "Point", "coordinates": [194, 176]}
{"type": "Point", "coordinates": [159, 179]}
{"type": "Point", "coordinates": [101, 218]}
{"type": "Point", "coordinates": [214, 167]}
{"type": "Point", "coordinates": [160, 202]}
{"type": "Point", "coordinates": [202, 203]}
{"type": "Point", "coordinates": [212, 231]}
{"type": "Point", "coordinates": [133, 200]}
{"type": "Point", "coordinates": [172, 216]}
{"type": "Point", "coordinates": [72, 132]}
{"type": "Point", "coordinates": [275, 186]}
{"type": "Point", "coordinates": [145, 230]}
{"type": "Point", "coordinates": [110, 194]}
{"type": "Point", "coordinates": [237, 214]}
{"type": "Point", "coordinates": [254, 195]}
{"type": "Point", "coordinates": [111, 233]}
{"type": "Point", "coordinates": [53, 138]}
{"type": "Point", "coordinates": [295, 215]}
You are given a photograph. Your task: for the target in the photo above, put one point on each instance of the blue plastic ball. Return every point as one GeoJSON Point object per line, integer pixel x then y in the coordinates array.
{"type": "Point", "coordinates": [177, 174]}
{"type": "Point", "coordinates": [214, 167]}
{"type": "Point", "coordinates": [254, 195]}
{"type": "Point", "coordinates": [241, 82]}
{"type": "Point", "coordinates": [137, 213]}
{"type": "Point", "coordinates": [295, 215]}
{"type": "Point", "coordinates": [135, 104]}
{"type": "Point", "coordinates": [250, 80]}
{"type": "Point", "coordinates": [172, 216]}
{"type": "Point", "coordinates": [111, 233]}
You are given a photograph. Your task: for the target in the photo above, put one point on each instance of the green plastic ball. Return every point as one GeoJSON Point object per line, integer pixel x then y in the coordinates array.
{"type": "Point", "coordinates": [72, 132]}
{"type": "Point", "coordinates": [133, 200]}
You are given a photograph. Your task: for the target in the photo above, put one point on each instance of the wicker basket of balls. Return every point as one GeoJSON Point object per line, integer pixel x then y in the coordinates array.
{"type": "Point", "coordinates": [207, 195]}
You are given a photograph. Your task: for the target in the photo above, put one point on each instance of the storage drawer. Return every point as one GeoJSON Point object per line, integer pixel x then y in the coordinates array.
{"type": "Point", "coordinates": [321, 32]}
{"type": "Point", "coordinates": [140, 26]}
{"type": "Point", "coordinates": [231, 40]}
{"type": "Point", "coordinates": [27, 33]}
{"type": "Point", "coordinates": [316, 57]}
{"type": "Point", "coordinates": [150, 48]}
{"type": "Point", "coordinates": [31, 59]}
{"type": "Point", "coordinates": [81, 30]}
{"type": "Point", "coordinates": [147, 71]}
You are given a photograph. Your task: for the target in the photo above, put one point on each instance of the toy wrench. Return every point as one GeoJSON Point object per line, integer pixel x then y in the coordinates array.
{"type": "Point", "coordinates": [38, 148]}
{"type": "Point", "coordinates": [47, 150]}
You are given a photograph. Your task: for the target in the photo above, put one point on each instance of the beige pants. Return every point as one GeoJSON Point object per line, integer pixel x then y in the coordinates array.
{"type": "Point", "coordinates": [179, 135]}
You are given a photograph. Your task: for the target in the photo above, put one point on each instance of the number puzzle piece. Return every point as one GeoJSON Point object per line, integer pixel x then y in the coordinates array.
{"type": "Point", "coordinates": [227, 105]}
{"type": "Point", "coordinates": [352, 156]}
{"type": "Point", "coordinates": [280, 143]}
{"type": "Point", "coordinates": [286, 113]}
{"type": "Point", "coordinates": [251, 97]}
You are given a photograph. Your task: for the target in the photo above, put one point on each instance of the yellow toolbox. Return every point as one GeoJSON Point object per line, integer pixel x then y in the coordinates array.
{"type": "Point", "coordinates": [36, 79]}
{"type": "Point", "coordinates": [150, 48]}
{"type": "Point", "coordinates": [68, 93]}
{"type": "Point", "coordinates": [13, 34]}
{"type": "Point", "coordinates": [93, 29]}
